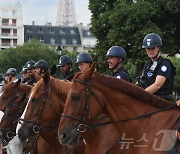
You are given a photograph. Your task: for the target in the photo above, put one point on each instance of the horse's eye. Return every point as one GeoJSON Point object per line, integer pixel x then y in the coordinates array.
{"type": "Point", "coordinates": [75, 97]}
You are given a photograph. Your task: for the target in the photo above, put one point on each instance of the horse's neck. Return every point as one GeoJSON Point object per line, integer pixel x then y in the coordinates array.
{"type": "Point", "coordinates": [121, 106]}
{"type": "Point", "coordinates": [26, 88]}
{"type": "Point", "coordinates": [62, 88]}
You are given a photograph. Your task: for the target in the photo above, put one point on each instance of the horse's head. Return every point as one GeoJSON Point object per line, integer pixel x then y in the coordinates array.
{"type": "Point", "coordinates": [44, 108]}
{"type": "Point", "coordinates": [14, 107]}
{"type": "Point", "coordinates": [83, 104]}
{"type": "Point", "coordinates": [8, 94]}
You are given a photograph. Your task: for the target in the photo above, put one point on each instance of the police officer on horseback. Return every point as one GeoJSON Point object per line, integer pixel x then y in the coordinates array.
{"type": "Point", "coordinates": [25, 75]}
{"type": "Point", "coordinates": [116, 55]}
{"type": "Point", "coordinates": [65, 64]}
{"type": "Point", "coordinates": [30, 69]}
{"type": "Point", "coordinates": [158, 73]}
{"type": "Point", "coordinates": [11, 74]}
{"type": "Point", "coordinates": [83, 60]}
{"type": "Point", "coordinates": [1, 82]}
{"type": "Point", "coordinates": [41, 68]}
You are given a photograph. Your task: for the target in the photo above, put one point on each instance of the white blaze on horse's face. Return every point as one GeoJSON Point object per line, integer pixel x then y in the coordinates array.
{"type": "Point", "coordinates": [1, 94]}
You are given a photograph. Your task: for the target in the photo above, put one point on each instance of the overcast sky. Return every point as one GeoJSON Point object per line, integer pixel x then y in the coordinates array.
{"type": "Point", "coordinates": [46, 10]}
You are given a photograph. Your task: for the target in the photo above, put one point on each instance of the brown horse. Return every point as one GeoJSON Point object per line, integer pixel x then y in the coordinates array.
{"type": "Point", "coordinates": [14, 108]}
{"type": "Point", "coordinates": [17, 94]}
{"type": "Point", "coordinates": [46, 104]}
{"type": "Point", "coordinates": [57, 88]}
{"type": "Point", "coordinates": [142, 120]}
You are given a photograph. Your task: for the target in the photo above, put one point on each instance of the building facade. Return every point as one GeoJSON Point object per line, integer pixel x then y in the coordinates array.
{"type": "Point", "coordinates": [68, 37]}
{"type": "Point", "coordinates": [88, 40]}
{"type": "Point", "coordinates": [11, 25]}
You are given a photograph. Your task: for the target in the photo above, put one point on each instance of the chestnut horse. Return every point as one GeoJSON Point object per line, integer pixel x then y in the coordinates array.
{"type": "Point", "coordinates": [45, 106]}
{"type": "Point", "coordinates": [57, 92]}
{"type": "Point", "coordinates": [143, 121]}
{"type": "Point", "coordinates": [14, 99]}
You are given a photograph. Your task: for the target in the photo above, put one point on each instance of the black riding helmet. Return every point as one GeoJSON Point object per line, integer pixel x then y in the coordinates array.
{"type": "Point", "coordinates": [24, 70]}
{"type": "Point", "coordinates": [64, 60]}
{"type": "Point", "coordinates": [42, 64]}
{"type": "Point", "coordinates": [30, 64]}
{"type": "Point", "coordinates": [84, 57]}
{"type": "Point", "coordinates": [11, 71]}
{"type": "Point", "coordinates": [116, 51]}
{"type": "Point", "coordinates": [152, 40]}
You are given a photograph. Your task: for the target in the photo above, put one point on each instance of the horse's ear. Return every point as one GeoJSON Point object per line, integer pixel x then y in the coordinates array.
{"type": "Point", "coordinates": [89, 72]}
{"type": "Point", "coordinates": [17, 83]}
{"type": "Point", "coordinates": [46, 78]}
{"type": "Point", "coordinates": [5, 81]}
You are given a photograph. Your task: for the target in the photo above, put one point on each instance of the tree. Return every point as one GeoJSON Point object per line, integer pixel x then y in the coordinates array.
{"type": "Point", "coordinates": [126, 22]}
{"type": "Point", "coordinates": [33, 50]}
{"type": "Point", "coordinates": [176, 63]}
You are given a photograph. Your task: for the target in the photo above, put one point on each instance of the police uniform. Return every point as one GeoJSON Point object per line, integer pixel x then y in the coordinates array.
{"type": "Point", "coordinates": [68, 76]}
{"type": "Point", "coordinates": [30, 81]}
{"type": "Point", "coordinates": [162, 67]}
{"type": "Point", "coordinates": [121, 73]}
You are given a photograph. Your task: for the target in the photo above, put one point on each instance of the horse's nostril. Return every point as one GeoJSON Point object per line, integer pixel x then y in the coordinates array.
{"type": "Point", "coordinates": [63, 136]}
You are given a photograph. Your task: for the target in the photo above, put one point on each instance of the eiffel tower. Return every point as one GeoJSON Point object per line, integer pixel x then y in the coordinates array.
{"type": "Point", "coordinates": [66, 15]}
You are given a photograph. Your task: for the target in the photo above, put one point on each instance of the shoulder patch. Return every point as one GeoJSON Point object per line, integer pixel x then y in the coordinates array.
{"type": "Point", "coordinates": [163, 68]}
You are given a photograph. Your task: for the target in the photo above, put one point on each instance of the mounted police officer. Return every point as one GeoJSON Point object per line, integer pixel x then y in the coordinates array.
{"type": "Point", "coordinates": [25, 75]}
{"type": "Point", "coordinates": [41, 68]}
{"type": "Point", "coordinates": [83, 60]}
{"type": "Point", "coordinates": [158, 73]}
{"type": "Point", "coordinates": [11, 74]}
{"type": "Point", "coordinates": [116, 55]}
{"type": "Point", "coordinates": [65, 64]}
{"type": "Point", "coordinates": [30, 69]}
{"type": "Point", "coordinates": [1, 82]}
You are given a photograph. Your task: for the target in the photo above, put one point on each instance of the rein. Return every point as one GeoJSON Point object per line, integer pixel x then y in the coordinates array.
{"type": "Point", "coordinates": [37, 127]}
{"type": "Point", "coordinates": [8, 131]}
{"type": "Point", "coordinates": [83, 126]}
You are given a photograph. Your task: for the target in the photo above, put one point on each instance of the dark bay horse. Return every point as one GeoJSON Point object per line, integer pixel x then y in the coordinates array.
{"type": "Point", "coordinates": [45, 106]}
{"type": "Point", "coordinates": [145, 122]}
{"type": "Point", "coordinates": [13, 100]}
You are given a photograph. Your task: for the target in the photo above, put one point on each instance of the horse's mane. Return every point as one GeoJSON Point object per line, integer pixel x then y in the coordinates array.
{"type": "Point", "coordinates": [26, 87]}
{"type": "Point", "coordinates": [36, 87]}
{"type": "Point", "coordinates": [131, 90]}
{"type": "Point", "coordinates": [60, 86]}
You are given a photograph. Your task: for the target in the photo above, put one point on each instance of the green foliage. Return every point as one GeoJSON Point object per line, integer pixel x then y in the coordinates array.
{"type": "Point", "coordinates": [176, 63]}
{"type": "Point", "coordinates": [33, 50]}
{"type": "Point", "coordinates": [125, 23]}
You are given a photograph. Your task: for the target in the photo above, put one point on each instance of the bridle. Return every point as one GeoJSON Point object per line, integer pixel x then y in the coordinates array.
{"type": "Point", "coordinates": [37, 127]}
{"type": "Point", "coordinates": [86, 112]}
{"type": "Point", "coordinates": [9, 134]}
{"type": "Point", "coordinates": [84, 125]}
